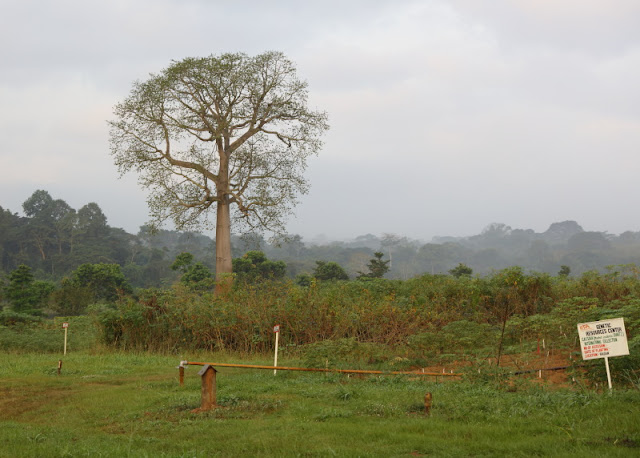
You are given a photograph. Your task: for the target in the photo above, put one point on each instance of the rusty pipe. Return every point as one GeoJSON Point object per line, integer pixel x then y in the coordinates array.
{"type": "Point", "coordinates": [313, 369]}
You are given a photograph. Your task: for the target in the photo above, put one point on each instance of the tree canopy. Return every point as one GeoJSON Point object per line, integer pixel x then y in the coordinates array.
{"type": "Point", "coordinates": [220, 132]}
{"type": "Point", "coordinates": [377, 267]}
{"type": "Point", "coordinates": [254, 267]}
{"type": "Point", "coordinates": [329, 271]}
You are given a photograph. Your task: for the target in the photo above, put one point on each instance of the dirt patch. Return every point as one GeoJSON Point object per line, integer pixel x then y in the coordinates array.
{"type": "Point", "coordinates": [24, 402]}
{"type": "Point", "coordinates": [548, 367]}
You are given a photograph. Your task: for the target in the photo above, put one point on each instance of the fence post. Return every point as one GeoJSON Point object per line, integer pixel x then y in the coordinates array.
{"type": "Point", "coordinates": [181, 372]}
{"type": "Point", "coordinates": [427, 404]}
{"type": "Point", "coordinates": [208, 374]}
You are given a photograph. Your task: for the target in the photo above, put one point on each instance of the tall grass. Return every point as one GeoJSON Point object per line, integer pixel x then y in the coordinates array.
{"type": "Point", "coordinates": [381, 312]}
{"type": "Point", "coordinates": [40, 335]}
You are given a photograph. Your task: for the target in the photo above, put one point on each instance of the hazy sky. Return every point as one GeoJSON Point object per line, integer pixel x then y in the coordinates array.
{"type": "Point", "coordinates": [445, 115]}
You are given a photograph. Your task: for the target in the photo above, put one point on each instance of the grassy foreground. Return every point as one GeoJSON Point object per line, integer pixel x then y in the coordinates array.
{"type": "Point", "coordinates": [132, 405]}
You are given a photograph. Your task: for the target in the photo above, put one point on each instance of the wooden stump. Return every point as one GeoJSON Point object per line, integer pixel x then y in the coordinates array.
{"type": "Point", "coordinates": [208, 391]}
{"type": "Point", "coordinates": [427, 404]}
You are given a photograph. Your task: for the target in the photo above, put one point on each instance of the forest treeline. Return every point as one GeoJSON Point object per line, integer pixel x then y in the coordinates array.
{"type": "Point", "coordinates": [54, 239]}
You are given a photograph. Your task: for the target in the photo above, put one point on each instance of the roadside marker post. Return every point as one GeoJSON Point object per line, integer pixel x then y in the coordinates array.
{"type": "Point", "coordinates": [65, 326]}
{"type": "Point", "coordinates": [276, 330]}
{"type": "Point", "coordinates": [603, 339]}
{"type": "Point", "coordinates": [208, 390]}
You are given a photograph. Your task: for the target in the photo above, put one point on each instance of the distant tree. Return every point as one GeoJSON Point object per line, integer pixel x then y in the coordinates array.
{"type": "Point", "coordinates": [254, 266]}
{"type": "Point", "coordinates": [304, 279]}
{"type": "Point", "coordinates": [244, 243]}
{"type": "Point", "coordinates": [495, 232]}
{"type": "Point", "coordinates": [25, 293]}
{"type": "Point", "coordinates": [38, 208]}
{"type": "Point", "coordinates": [436, 258]}
{"type": "Point", "coordinates": [390, 242]}
{"type": "Point", "coordinates": [559, 233]}
{"type": "Point", "coordinates": [329, 271]}
{"type": "Point", "coordinates": [588, 241]}
{"type": "Point", "coordinates": [461, 270]}
{"type": "Point", "coordinates": [50, 223]}
{"type": "Point", "coordinates": [510, 292]}
{"type": "Point", "coordinates": [92, 241]}
{"type": "Point", "coordinates": [105, 281]}
{"type": "Point", "coordinates": [540, 257]}
{"type": "Point", "coordinates": [183, 262]}
{"type": "Point", "coordinates": [92, 222]}
{"type": "Point", "coordinates": [71, 299]}
{"type": "Point", "coordinates": [11, 239]}
{"type": "Point", "coordinates": [292, 246]}
{"type": "Point", "coordinates": [208, 134]}
{"type": "Point", "coordinates": [628, 238]}
{"type": "Point", "coordinates": [564, 271]}
{"type": "Point", "coordinates": [367, 240]}
{"type": "Point", "coordinates": [377, 267]}
{"type": "Point", "coordinates": [489, 258]}
{"type": "Point", "coordinates": [64, 220]}
{"type": "Point", "coordinates": [155, 267]}
{"type": "Point", "coordinates": [196, 275]}
{"type": "Point", "coordinates": [583, 261]}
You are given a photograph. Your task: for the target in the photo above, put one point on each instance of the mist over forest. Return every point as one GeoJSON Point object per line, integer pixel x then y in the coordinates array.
{"type": "Point", "coordinates": [53, 239]}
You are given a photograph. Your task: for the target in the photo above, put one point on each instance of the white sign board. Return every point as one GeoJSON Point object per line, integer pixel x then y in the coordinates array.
{"type": "Point", "coordinates": [603, 339]}
{"type": "Point", "coordinates": [65, 325]}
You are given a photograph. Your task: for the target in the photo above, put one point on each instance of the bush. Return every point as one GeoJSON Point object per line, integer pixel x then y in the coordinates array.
{"type": "Point", "coordinates": [46, 336]}
{"type": "Point", "coordinates": [11, 318]}
{"type": "Point", "coordinates": [328, 271]}
{"type": "Point", "coordinates": [342, 353]}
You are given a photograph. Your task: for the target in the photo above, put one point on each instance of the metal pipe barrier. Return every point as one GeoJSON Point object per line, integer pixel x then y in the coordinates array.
{"type": "Point", "coordinates": [208, 374]}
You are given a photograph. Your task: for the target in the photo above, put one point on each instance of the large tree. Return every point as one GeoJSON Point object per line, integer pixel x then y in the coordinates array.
{"type": "Point", "coordinates": [228, 133]}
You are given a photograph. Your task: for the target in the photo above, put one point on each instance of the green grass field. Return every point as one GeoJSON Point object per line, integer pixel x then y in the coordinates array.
{"type": "Point", "coordinates": [115, 404]}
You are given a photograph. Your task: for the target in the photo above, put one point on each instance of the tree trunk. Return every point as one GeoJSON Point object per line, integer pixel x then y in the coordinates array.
{"type": "Point", "coordinates": [224, 267]}
{"type": "Point", "coordinates": [40, 245]}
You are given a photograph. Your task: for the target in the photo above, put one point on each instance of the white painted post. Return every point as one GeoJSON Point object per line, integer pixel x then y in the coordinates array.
{"type": "Point", "coordinates": [606, 363]}
{"type": "Point", "coordinates": [65, 326]}
{"type": "Point", "coordinates": [276, 329]}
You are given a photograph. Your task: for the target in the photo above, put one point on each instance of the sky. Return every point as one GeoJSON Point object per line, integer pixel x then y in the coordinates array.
{"type": "Point", "coordinates": [446, 115]}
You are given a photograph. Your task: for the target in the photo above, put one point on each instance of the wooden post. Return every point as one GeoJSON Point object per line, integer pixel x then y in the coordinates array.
{"type": "Point", "coordinates": [181, 371]}
{"type": "Point", "coordinates": [427, 404]}
{"type": "Point", "coordinates": [276, 329]}
{"type": "Point", "coordinates": [208, 374]}
{"type": "Point", "coordinates": [59, 366]}
{"type": "Point", "coordinates": [606, 362]}
{"type": "Point", "coordinates": [65, 325]}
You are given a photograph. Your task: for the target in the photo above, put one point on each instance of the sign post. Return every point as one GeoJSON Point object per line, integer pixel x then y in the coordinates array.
{"type": "Point", "coordinates": [603, 339]}
{"type": "Point", "coordinates": [65, 326]}
{"type": "Point", "coordinates": [276, 330]}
